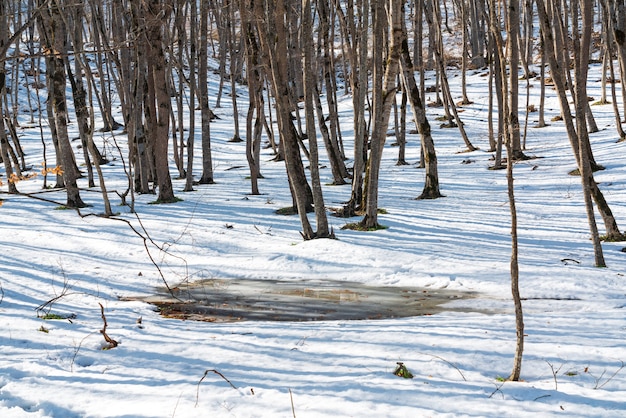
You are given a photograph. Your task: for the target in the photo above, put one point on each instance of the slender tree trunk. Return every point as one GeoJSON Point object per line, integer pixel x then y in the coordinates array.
{"type": "Point", "coordinates": [577, 136]}
{"type": "Point", "coordinates": [517, 301]}
{"type": "Point", "coordinates": [322, 230]}
{"type": "Point", "coordinates": [513, 24]}
{"type": "Point", "coordinates": [159, 102]}
{"type": "Point", "coordinates": [618, 18]}
{"type": "Point", "coordinates": [193, 53]}
{"type": "Point", "coordinates": [205, 111]}
{"type": "Point", "coordinates": [383, 94]}
{"type": "Point", "coordinates": [255, 92]}
{"type": "Point", "coordinates": [274, 45]}
{"type": "Point", "coordinates": [608, 36]}
{"type": "Point", "coordinates": [356, 31]}
{"type": "Point", "coordinates": [432, 17]}
{"type": "Point", "coordinates": [542, 94]}
{"type": "Point", "coordinates": [4, 145]}
{"type": "Point", "coordinates": [55, 34]}
{"type": "Point", "coordinates": [431, 183]}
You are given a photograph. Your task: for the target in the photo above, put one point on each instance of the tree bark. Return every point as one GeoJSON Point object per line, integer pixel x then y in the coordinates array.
{"type": "Point", "coordinates": [309, 91]}
{"type": "Point", "coordinates": [431, 183]}
{"type": "Point", "coordinates": [274, 44]}
{"type": "Point", "coordinates": [55, 33]}
{"type": "Point", "coordinates": [205, 111]}
{"type": "Point", "coordinates": [383, 96]}
{"type": "Point", "coordinates": [158, 103]}
{"type": "Point", "coordinates": [577, 135]}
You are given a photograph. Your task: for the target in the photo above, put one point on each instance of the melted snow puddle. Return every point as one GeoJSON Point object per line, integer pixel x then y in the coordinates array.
{"type": "Point", "coordinates": [232, 300]}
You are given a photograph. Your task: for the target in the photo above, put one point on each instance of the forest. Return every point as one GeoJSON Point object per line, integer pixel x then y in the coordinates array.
{"type": "Point", "coordinates": [191, 121]}
{"type": "Point", "coordinates": [154, 58]}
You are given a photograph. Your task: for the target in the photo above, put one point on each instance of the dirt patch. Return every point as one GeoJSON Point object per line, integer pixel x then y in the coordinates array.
{"type": "Point", "coordinates": [231, 300]}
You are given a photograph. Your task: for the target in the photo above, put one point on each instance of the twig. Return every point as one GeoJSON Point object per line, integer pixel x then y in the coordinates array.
{"type": "Point", "coordinates": [554, 373]}
{"type": "Point", "coordinates": [76, 350]}
{"type": "Point", "coordinates": [64, 292]}
{"type": "Point", "coordinates": [111, 342]}
{"type": "Point", "coordinates": [598, 386]}
{"type": "Point", "coordinates": [176, 406]}
{"type": "Point", "coordinates": [498, 390]}
{"type": "Point", "coordinates": [204, 375]}
{"type": "Point", "coordinates": [293, 409]}
{"type": "Point", "coordinates": [146, 238]}
{"type": "Point", "coordinates": [447, 362]}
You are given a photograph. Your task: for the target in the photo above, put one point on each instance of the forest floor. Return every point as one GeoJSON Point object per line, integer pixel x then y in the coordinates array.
{"type": "Point", "coordinates": [72, 344]}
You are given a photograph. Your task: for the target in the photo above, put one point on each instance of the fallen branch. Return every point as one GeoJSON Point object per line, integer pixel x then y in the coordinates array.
{"type": "Point", "coordinates": [111, 343]}
{"type": "Point", "coordinates": [147, 239]}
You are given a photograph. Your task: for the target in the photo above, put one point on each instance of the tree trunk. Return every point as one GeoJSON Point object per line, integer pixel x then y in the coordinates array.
{"type": "Point", "coordinates": [255, 92]}
{"type": "Point", "coordinates": [383, 94]}
{"type": "Point", "coordinates": [159, 102]}
{"type": "Point", "coordinates": [4, 145]}
{"type": "Point", "coordinates": [356, 33]}
{"type": "Point", "coordinates": [274, 45]}
{"type": "Point", "coordinates": [193, 53]}
{"type": "Point", "coordinates": [577, 135]}
{"type": "Point", "coordinates": [517, 301]}
{"type": "Point", "coordinates": [54, 37]}
{"type": "Point", "coordinates": [618, 17]}
{"type": "Point", "coordinates": [322, 230]}
{"type": "Point", "coordinates": [513, 17]}
{"type": "Point", "coordinates": [431, 183]}
{"type": "Point", "coordinates": [205, 111]}
{"type": "Point", "coordinates": [432, 17]}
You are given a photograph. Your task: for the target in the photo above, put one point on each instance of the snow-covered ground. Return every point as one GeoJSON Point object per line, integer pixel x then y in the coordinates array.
{"type": "Point", "coordinates": [53, 261]}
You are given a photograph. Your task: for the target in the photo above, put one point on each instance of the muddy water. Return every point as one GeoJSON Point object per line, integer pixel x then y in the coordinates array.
{"type": "Point", "coordinates": [297, 300]}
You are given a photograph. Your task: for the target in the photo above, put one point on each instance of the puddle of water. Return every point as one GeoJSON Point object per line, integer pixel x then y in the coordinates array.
{"type": "Point", "coordinates": [217, 300]}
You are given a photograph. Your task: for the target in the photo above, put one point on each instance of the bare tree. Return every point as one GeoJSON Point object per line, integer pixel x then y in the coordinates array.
{"type": "Point", "coordinates": [158, 104]}
{"type": "Point", "coordinates": [193, 58]}
{"type": "Point", "coordinates": [270, 23]}
{"type": "Point", "coordinates": [55, 34]}
{"type": "Point", "coordinates": [256, 114]}
{"type": "Point", "coordinates": [206, 115]}
{"type": "Point", "coordinates": [331, 133]}
{"type": "Point", "coordinates": [4, 145]}
{"type": "Point", "coordinates": [384, 90]}
{"type": "Point", "coordinates": [355, 30]}
{"type": "Point", "coordinates": [433, 18]}
{"type": "Point", "coordinates": [431, 183]}
{"type": "Point", "coordinates": [618, 24]}
{"type": "Point", "coordinates": [609, 35]}
{"type": "Point", "coordinates": [578, 134]}
{"type": "Point", "coordinates": [509, 134]}
{"type": "Point", "coordinates": [309, 106]}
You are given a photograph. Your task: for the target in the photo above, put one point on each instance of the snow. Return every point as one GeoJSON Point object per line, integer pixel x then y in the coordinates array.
{"type": "Point", "coordinates": [58, 262]}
